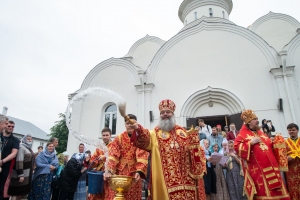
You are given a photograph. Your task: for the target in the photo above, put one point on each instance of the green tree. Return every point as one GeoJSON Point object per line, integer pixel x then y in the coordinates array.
{"type": "Point", "coordinates": [60, 131]}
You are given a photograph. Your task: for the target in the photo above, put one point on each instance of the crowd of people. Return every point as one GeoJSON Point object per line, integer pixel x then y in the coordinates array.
{"type": "Point", "coordinates": [176, 163]}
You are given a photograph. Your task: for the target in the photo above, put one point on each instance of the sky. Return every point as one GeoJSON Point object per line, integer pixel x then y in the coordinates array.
{"type": "Point", "coordinates": [48, 47]}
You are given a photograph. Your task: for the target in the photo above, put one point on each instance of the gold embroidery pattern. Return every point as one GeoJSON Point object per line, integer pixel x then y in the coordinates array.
{"type": "Point", "coordinates": [267, 169]}
{"type": "Point", "coordinates": [270, 175]}
{"type": "Point", "coordinates": [273, 181]}
{"type": "Point", "coordinates": [176, 164]}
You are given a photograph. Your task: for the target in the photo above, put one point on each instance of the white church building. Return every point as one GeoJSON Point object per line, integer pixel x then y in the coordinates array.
{"type": "Point", "coordinates": [212, 69]}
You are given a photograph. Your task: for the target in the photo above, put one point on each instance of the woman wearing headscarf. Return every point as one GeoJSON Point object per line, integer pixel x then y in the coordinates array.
{"type": "Point", "coordinates": [46, 163]}
{"type": "Point", "coordinates": [222, 191]}
{"type": "Point", "coordinates": [70, 175]}
{"type": "Point", "coordinates": [210, 176]}
{"type": "Point", "coordinates": [20, 182]}
{"type": "Point", "coordinates": [54, 185]}
{"type": "Point", "coordinates": [80, 193]}
{"type": "Point", "coordinates": [234, 178]}
{"type": "Point", "coordinates": [224, 151]}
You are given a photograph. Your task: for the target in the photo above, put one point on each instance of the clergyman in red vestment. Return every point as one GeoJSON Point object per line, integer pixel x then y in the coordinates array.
{"type": "Point", "coordinates": [177, 161]}
{"type": "Point", "coordinates": [99, 159]}
{"type": "Point", "coordinates": [261, 170]}
{"type": "Point", "coordinates": [293, 152]}
{"type": "Point", "coordinates": [128, 160]}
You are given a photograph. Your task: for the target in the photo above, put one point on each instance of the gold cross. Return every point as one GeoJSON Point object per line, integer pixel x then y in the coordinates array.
{"type": "Point", "coordinates": [249, 137]}
{"type": "Point", "coordinates": [248, 186]}
{"type": "Point", "coordinates": [259, 184]}
{"type": "Point", "coordinates": [254, 169]}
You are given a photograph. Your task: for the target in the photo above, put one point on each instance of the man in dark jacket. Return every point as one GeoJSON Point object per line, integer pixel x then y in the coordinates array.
{"type": "Point", "coordinates": [69, 177]}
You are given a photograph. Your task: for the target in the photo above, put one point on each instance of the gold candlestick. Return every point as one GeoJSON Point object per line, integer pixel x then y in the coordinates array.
{"type": "Point", "coordinates": [120, 184]}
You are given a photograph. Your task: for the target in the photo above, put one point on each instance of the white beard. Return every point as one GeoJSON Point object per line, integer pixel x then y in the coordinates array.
{"type": "Point", "coordinates": [167, 124]}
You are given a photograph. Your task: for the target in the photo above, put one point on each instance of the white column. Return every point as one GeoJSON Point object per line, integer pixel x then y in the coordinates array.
{"type": "Point", "coordinates": [148, 91]}
{"type": "Point", "coordinates": [284, 90]}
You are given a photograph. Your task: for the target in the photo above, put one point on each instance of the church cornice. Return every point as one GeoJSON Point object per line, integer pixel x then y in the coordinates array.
{"type": "Point", "coordinates": [146, 88]}
{"type": "Point", "coordinates": [107, 63]}
{"type": "Point", "coordinates": [272, 15]}
{"type": "Point", "coordinates": [188, 5]}
{"type": "Point", "coordinates": [208, 20]}
{"type": "Point", "coordinates": [278, 72]}
{"type": "Point", "coordinates": [147, 38]}
{"type": "Point", "coordinates": [269, 52]}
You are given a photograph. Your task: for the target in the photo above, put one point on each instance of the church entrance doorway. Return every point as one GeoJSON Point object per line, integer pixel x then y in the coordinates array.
{"type": "Point", "coordinates": [223, 120]}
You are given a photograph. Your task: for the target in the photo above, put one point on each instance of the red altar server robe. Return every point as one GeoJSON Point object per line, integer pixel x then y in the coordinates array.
{"type": "Point", "coordinates": [99, 166]}
{"type": "Point", "coordinates": [125, 159]}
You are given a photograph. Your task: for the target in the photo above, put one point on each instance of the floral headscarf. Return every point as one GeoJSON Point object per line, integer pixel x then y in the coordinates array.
{"type": "Point", "coordinates": [61, 159]}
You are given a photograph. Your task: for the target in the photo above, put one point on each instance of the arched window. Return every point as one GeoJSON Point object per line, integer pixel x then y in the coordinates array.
{"type": "Point", "coordinates": [110, 118]}
{"type": "Point", "coordinates": [196, 16]}
{"type": "Point", "coordinates": [210, 12]}
{"type": "Point", "coordinates": [223, 14]}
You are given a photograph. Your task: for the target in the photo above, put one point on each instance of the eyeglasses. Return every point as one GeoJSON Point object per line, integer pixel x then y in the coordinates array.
{"type": "Point", "coordinates": [11, 126]}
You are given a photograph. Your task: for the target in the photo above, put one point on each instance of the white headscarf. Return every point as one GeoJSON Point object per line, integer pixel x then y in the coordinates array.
{"type": "Point", "coordinates": [25, 142]}
{"type": "Point", "coordinates": [225, 141]}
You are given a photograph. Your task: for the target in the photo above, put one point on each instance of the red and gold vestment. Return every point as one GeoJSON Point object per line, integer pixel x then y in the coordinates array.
{"type": "Point", "coordinates": [261, 171]}
{"type": "Point", "coordinates": [177, 162]}
{"type": "Point", "coordinates": [293, 175]}
{"type": "Point", "coordinates": [125, 159]}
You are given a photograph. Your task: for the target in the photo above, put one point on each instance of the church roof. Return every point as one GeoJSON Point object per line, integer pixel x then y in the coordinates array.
{"type": "Point", "coordinates": [23, 128]}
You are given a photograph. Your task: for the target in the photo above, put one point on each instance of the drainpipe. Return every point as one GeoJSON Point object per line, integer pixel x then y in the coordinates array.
{"type": "Point", "coordinates": [283, 55]}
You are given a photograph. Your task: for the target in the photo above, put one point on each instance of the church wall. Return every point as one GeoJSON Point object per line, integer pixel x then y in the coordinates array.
{"type": "Point", "coordinates": [204, 11]}
{"type": "Point", "coordinates": [277, 33]}
{"type": "Point", "coordinates": [236, 65]}
{"type": "Point", "coordinates": [143, 54]}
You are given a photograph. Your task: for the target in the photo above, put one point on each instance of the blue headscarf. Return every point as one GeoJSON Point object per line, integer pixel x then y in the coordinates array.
{"type": "Point", "coordinates": [48, 154]}
{"type": "Point", "coordinates": [212, 147]}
